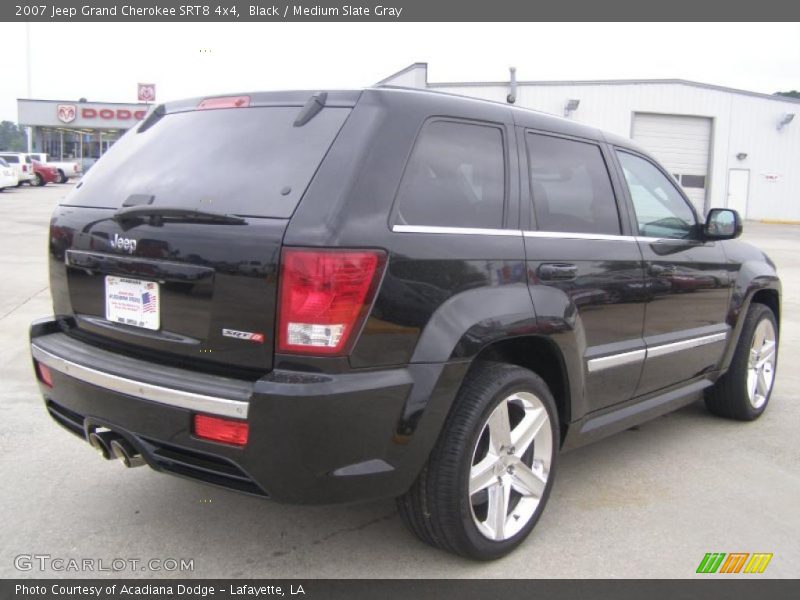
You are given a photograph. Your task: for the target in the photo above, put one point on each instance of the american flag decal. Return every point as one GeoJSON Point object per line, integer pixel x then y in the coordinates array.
{"type": "Point", "coordinates": [149, 303]}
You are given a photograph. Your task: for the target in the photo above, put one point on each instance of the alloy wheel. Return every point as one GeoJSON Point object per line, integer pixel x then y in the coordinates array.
{"type": "Point", "coordinates": [761, 364]}
{"type": "Point", "coordinates": [510, 466]}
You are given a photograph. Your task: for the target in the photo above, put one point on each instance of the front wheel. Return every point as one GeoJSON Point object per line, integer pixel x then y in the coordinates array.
{"type": "Point", "coordinates": [61, 177]}
{"type": "Point", "coordinates": [489, 476]}
{"type": "Point", "coordinates": [37, 180]}
{"type": "Point", "coordinates": [744, 391]}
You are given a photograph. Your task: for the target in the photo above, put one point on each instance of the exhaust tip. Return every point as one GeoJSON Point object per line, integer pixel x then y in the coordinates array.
{"type": "Point", "coordinates": [126, 453]}
{"type": "Point", "coordinates": [99, 444]}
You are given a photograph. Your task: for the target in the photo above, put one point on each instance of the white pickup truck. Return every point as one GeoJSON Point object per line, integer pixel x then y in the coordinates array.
{"type": "Point", "coordinates": [66, 169]}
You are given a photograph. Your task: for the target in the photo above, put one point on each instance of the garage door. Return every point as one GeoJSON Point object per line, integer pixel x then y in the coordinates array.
{"type": "Point", "coordinates": [682, 145]}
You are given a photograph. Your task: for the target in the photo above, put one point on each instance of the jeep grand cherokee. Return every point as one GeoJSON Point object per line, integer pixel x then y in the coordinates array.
{"type": "Point", "coordinates": [390, 293]}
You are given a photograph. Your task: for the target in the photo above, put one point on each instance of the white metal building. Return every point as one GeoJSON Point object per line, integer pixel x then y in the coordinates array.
{"type": "Point", "coordinates": [727, 147]}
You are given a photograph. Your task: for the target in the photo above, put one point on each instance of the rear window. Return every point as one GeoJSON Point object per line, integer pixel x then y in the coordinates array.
{"type": "Point", "coordinates": [242, 161]}
{"type": "Point", "coordinates": [571, 187]}
{"type": "Point", "coordinates": [11, 159]}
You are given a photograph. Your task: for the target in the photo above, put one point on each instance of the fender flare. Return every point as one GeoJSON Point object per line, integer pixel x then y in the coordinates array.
{"type": "Point", "coordinates": [754, 276]}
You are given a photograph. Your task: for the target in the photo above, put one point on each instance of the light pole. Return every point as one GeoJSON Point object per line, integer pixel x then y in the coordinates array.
{"type": "Point", "coordinates": [28, 57]}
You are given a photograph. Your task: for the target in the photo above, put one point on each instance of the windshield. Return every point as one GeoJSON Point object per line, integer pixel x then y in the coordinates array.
{"type": "Point", "coordinates": [242, 161]}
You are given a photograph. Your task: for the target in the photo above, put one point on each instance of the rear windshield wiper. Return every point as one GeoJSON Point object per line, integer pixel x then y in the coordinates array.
{"type": "Point", "coordinates": [158, 213]}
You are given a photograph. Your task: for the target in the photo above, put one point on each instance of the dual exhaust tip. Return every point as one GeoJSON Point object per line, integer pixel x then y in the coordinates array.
{"type": "Point", "coordinates": [112, 445]}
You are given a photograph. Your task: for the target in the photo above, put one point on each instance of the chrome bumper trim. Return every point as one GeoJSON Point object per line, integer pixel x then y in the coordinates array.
{"type": "Point", "coordinates": [214, 405]}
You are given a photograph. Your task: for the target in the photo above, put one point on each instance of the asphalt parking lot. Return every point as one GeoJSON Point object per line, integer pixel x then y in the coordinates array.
{"type": "Point", "coordinates": [648, 502]}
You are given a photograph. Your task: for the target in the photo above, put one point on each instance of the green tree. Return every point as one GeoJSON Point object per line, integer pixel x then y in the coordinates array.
{"type": "Point", "coordinates": [792, 94]}
{"type": "Point", "coordinates": [12, 137]}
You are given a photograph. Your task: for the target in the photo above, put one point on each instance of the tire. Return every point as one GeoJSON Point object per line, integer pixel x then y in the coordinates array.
{"type": "Point", "coordinates": [37, 180]}
{"type": "Point", "coordinates": [439, 507]}
{"type": "Point", "coordinates": [744, 391]}
{"type": "Point", "coordinates": [61, 177]}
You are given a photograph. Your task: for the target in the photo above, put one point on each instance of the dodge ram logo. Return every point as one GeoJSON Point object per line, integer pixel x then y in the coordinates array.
{"type": "Point", "coordinates": [66, 112]}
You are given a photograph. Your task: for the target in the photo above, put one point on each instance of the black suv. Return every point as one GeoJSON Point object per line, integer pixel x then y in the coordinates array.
{"type": "Point", "coordinates": [390, 293]}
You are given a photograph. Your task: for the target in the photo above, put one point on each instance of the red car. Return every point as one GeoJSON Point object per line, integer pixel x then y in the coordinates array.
{"type": "Point", "coordinates": [43, 174]}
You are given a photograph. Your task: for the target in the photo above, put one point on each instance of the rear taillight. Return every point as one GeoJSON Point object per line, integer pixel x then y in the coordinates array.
{"type": "Point", "coordinates": [44, 375]}
{"type": "Point", "coordinates": [224, 102]}
{"type": "Point", "coordinates": [216, 429]}
{"type": "Point", "coordinates": [324, 298]}
{"type": "Point", "coordinates": [24, 168]}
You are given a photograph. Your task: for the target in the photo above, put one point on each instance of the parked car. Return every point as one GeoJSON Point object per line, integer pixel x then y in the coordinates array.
{"type": "Point", "coordinates": [8, 176]}
{"type": "Point", "coordinates": [532, 326]}
{"type": "Point", "coordinates": [43, 174]}
{"type": "Point", "coordinates": [66, 169]}
{"type": "Point", "coordinates": [21, 163]}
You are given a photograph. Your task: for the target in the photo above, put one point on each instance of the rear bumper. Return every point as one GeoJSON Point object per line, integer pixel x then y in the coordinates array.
{"type": "Point", "coordinates": [314, 438]}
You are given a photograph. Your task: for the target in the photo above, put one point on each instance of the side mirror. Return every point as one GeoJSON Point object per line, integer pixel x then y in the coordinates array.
{"type": "Point", "coordinates": [722, 224]}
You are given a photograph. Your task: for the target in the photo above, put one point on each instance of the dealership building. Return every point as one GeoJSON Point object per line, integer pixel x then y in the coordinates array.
{"type": "Point", "coordinates": [70, 130]}
{"type": "Point", "coordinates": [727, 147]}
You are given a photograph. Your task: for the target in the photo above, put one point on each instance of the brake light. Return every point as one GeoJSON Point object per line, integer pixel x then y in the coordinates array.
{"type": "Point", "coordinates": [227, 431]}
{"type": "Point", "coordinates": [24, 168]}
{"type": "Point", "coordinates": [43, 374]}
{"type": "Point", "coordinates": [324, 298]}
{"type": "Point", "coordinates": [224, 102]}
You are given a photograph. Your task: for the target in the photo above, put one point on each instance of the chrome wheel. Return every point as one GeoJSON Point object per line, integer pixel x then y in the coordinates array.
{"type": "Point", "coordinates": [510, 466]}
{"type": "Point", "coordinates": [761, 364]}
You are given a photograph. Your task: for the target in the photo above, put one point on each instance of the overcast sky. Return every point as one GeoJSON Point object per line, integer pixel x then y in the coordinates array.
{"type": "Point", "coordinates": [104, 61]}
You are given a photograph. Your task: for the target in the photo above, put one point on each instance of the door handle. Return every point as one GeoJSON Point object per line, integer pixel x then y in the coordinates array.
{"type": "Point", "coordinates": [557, 271]}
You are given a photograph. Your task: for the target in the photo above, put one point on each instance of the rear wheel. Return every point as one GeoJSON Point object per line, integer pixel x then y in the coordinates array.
{"type": "Point", "coordinates": [489, 476]}
{"type": "Point", "coordinates": [743, 392]}
{"type": "Point", "coordinates": [37, 180]}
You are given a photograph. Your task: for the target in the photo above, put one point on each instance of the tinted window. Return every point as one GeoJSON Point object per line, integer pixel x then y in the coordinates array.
{"type": "Point", "coordinates": [454, 178]}
{"type": "Point", "coordinates": [13, 158]}
{"type": "Point", "coordinates": [660, 209]}
{"type": "Point", "coordinates": [571, 187]}
{"type": "Point", "coordinates": [3, 162]}
{"type": "Point", "coordinates": [243, 161]}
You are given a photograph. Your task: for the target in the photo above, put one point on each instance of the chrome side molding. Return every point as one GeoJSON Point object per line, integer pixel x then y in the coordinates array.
{"type": "Point", "coordinates": [564, 235]}
{"type": "Point", "coordinates": [633, 356]}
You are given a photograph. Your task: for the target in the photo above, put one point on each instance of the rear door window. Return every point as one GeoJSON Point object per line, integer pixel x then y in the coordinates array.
{"type": "Point", "coordinates": [11, 159]}
{"type": "Point", "coordinates": [570, 186]}
{"type": "Point", "coordinates": [242, 161]}
{"type": "Point", "coordinates": [455, 177]}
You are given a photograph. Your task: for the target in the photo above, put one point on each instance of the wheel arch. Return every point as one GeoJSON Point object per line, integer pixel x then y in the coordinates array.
{"type": "Point", "coordinates": [764, 290]}
{"type": "Point", "coordinates": [541, 356]}
{"type": "Point", "coordinates": [771, 299]}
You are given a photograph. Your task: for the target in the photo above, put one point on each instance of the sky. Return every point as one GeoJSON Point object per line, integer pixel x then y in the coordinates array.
{"type": "Point", "coordinates": [105, 61]}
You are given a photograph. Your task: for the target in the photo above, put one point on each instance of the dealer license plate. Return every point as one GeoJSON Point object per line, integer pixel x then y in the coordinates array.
{"type": "Point", "coordinates": [133, 302]}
